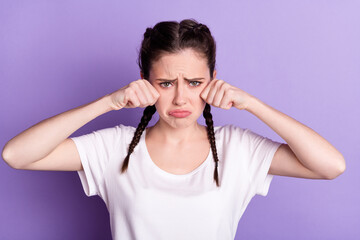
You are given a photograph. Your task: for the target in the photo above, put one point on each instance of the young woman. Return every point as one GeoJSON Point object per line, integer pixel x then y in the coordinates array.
{"type": "Point", "coordinates": [176, 179]}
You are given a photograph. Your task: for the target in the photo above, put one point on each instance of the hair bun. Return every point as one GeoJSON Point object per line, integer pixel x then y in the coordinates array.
{"type": "Point", "coordinates": [200, 28]}
{"type": "Point", "coordinates": [148, 32]}
{"type": "Point", "coordinates": [197, 27]}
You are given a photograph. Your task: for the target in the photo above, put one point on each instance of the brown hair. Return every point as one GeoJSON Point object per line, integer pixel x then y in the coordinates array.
{"type": "Point", "coordinates": [172, 37]}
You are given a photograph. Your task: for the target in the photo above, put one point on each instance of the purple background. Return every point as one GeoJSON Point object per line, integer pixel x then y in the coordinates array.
{"type": "Point", "coordinates": [302, 58]}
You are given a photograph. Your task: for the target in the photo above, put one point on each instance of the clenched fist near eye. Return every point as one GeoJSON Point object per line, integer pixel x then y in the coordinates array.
{"type": "Point", "coordinates": [221, 94]}
{"type": "Point", "coordinates": [139, 93]}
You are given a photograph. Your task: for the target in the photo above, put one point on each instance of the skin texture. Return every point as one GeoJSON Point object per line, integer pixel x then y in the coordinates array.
{"type": "Point", "coordinates": [180, 94]}
{"type": "Point", "coordinates": [185, 140]}
{"type": "Point", "coordinates": [305, 155]}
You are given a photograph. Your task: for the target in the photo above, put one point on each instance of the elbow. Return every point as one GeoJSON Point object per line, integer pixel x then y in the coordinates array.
{"type": "Point", "coordinates": [338, 170]}
{"type": "Point", "coordinates": [6, 156]}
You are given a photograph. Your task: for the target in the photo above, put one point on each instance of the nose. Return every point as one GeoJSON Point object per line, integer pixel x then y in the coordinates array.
{"type": "Point", "coordinates": [180, 97]}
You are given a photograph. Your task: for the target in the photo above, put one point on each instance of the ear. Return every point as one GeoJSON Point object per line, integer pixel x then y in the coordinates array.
{"type": "Point", "coordinates": [141, 75]}
{"type": "Point", "coordinates": [214, 74]}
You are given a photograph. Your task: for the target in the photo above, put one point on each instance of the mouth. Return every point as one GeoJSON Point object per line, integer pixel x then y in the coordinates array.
{"type": "Point", "coordinates": [179, 113]}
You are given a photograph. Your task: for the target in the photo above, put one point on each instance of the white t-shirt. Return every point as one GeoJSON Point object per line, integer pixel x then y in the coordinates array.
{"type": "Point", "coordinates": [149, 203]}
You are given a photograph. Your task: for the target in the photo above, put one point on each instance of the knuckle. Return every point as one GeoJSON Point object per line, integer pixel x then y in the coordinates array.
{"type": "Point", "coordinates": [218, 82]}
{"type": "Point", "coordinates": [141, 81]}
{"type": "Point", "coordinates": [136, 85]}
{"type": "Point", "coordinates": [127, 91]}
{"type": "Point", "coordinates": [224, 85]}
{"type": "Point", "coordinates": [144, 101]}
{"type": "Point", "coordinates": [230, 91]}
{"type": "Point", "coordinates": [147, 83]}
{"type": "Point", "coordinates": [131, 91]}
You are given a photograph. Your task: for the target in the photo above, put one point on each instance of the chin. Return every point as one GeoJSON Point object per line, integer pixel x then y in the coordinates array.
{"type": "Point", "coordinates": [179, 122]}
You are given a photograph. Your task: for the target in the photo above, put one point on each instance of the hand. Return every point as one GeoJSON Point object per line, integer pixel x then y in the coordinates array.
{"type": "Point", "coordinates": [139, 93]}
{"type": "Point", "coordinates": [223, 95]}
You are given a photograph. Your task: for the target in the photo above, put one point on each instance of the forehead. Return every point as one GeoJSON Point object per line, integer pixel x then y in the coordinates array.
{"type": "Point", "coordinates": [186, 62]}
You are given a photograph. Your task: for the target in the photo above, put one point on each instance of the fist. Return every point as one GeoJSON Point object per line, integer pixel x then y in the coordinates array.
{"type": "Point", "coordinates": [139, 93]}
{"type": "Point", "coordinates": [221, 94]}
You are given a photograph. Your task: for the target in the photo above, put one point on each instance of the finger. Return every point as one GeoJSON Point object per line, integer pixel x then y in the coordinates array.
{"type": "Point", "coordinates": [226, 102]}
{"type": "Point", "coordinates": [206, 90]}
{"type": "Point", "coordinates": [139, 94]}
{"type": "Point", "coordinates": [213, 91]}
{"type": "Point", "coordinates": [133, 100]}
{"type": "Point", "coordinates": [155, 94]}
{"type": "Point", "coordinates": [146, 92]}
{"type": "Point", "coordinates": [219, 95]}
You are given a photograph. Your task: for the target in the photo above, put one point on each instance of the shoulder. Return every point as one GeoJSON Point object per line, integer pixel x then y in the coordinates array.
{"type": "Point", "coordinates": [114, 130]}
{"type": "Point", "coordinates": [125, 131]}
{"type": "Point", "coordinates": [125, 128]}
{"type": "Point", "coordinates": [117, 132]}
{"type": "Point", "coordinates": [229, 132]}
{"type": "Point", "coordinates": [229, 129]}
{"type": "Point", "coordinates": [237, 134]}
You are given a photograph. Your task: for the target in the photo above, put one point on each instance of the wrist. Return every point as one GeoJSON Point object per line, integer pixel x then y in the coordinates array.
{"type": "Point", "coordinates": [252, 102]}
{"type": "Point", "coordinates": [107, 103]}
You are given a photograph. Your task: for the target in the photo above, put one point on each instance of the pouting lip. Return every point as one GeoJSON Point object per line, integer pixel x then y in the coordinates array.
{"type": "Point", "coordinates": [179, 111]}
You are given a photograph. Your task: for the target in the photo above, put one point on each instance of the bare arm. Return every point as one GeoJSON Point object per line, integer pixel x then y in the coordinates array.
{"type": "Point", "coordinates": [40, 140]}
{"type": "Point", "coordinates": [306, 154]}
{"type": "Point", "coordinates": [46, 146]}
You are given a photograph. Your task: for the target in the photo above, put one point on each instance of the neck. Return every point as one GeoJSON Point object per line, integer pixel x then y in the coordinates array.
{"type": "Point", "coordinates": [176, 136]}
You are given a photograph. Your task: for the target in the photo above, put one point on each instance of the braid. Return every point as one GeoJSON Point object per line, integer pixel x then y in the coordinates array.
{"type": "Point", "coordinates": [147, 115]}
{"type": "Point", "coordinates": [211, 137]}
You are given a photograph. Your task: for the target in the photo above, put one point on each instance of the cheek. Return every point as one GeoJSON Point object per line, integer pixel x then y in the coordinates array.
{"type": "Point", "coordinates": [161, 102]}
{"type": "Point", "coordinates": [196, 95]}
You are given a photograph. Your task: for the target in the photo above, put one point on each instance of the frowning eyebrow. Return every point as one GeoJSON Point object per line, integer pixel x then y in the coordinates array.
{"type": "Point", "coordinates": [173, 80]}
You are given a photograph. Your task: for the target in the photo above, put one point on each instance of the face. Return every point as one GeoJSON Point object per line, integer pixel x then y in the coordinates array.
{"type": "Point", "coordinates": [180, 78]}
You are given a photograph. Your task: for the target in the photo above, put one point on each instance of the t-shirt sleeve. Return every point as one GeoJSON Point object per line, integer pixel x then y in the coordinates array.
{"type": "Point", "coordinates": [95, 150]}
{"type": "Point", "coordinates": [262, 151]}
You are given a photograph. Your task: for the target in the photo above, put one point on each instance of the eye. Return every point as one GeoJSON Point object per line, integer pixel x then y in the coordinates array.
{"type": "Point", "coordinates": [192, 84]}
{"type": "Point", "coordinates": [165, 84]}
{"type": "Point", "coordinates": [195, 83]}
